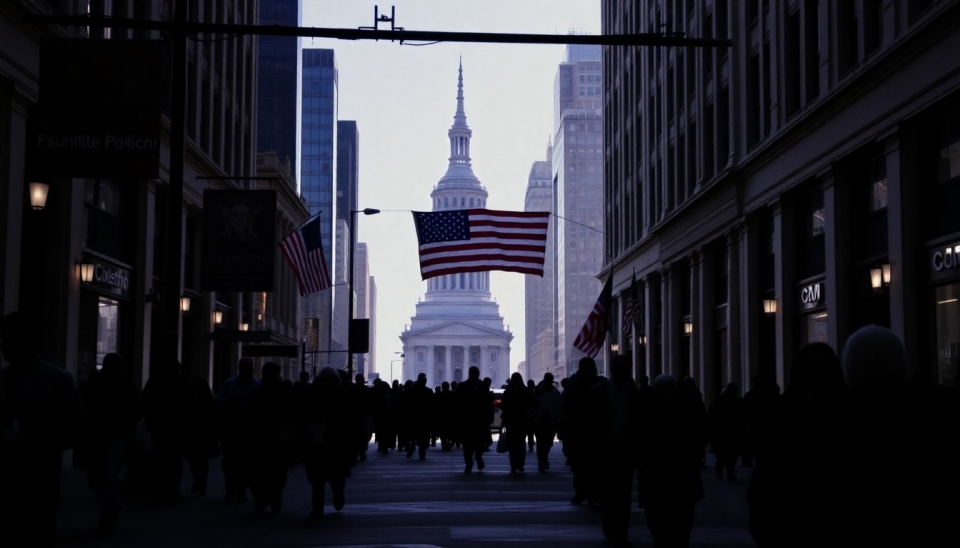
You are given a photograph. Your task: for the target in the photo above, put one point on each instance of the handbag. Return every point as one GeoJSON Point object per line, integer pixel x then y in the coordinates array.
{"type": "Point", "coordinates": [502, 442]}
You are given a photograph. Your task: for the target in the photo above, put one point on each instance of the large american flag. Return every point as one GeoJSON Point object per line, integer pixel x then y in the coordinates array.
{"type": "Point", "coordinates": [476, 240]}
{"type": "Point", "coordinates": [303, 250]}
{"type": "Point", "coordinates": [594, 331]}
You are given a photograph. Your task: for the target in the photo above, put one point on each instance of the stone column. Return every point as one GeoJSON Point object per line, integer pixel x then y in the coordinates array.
{"type": "Point", "coordinates": [734, 356]}
{"type": "Point", "coordinates": [697, 315]}
{"type": "Point", "coordinates": [448, 369]}
{"type": "Point", "coordinates": [666, 317]}
{"type": "Point", "coordinates": [903, 218]}
{"type": "Point", "coordinates": [837, 271]}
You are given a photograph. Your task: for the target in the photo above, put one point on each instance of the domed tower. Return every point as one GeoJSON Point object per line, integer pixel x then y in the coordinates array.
{"type": "Point", "coordinates": [457, 324]}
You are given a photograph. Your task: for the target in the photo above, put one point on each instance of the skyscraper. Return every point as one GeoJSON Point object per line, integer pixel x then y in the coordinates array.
{"type": "Point", "coordinates": [539, 293]}
{"type": "Point", "coordinates": [458, 324]}
{"type": "Point", "coordinates": [278, 59]}
{"type": "Point", "coordinates": [318, 137]}
{"type": "Point", "coordinates": [578, 197]}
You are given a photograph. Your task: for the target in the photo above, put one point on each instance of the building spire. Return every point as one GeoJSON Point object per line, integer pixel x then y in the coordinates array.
{"type": "Point", "coordinates": [460, 118]}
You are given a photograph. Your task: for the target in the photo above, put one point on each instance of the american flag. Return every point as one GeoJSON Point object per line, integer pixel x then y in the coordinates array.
{"type": "Point", "coordinates": [629, 298]}
{"type": "Point", "coordinates": [476, 240]}
{"type": "Point", "coordinates": [304, 251]}
{"type": "Point", "coordinates": [594, 332]}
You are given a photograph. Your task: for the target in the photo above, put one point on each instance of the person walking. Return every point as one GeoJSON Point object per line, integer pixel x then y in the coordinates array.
{"type": "Point", "coordinates": [419, 405]}
{"type": "Point", "coordinates": [230, 398]}
{"type": "Point", "coordinates": [475, 415]}
{"type": "Point", "coordinates": [41, 415]}
{"type": "Point", "coordinates": [201, 441]}
{"type": "Point", "coordinates": [728, 430]}
{"type": "Point", "coordinates": [576, 430]}
{"type": "Point", "coordinates": [516, 404]}
{"type": "Point", "coordinates": [547, 409]}
{"type": "Point", "coordinates": [669, 475]}
{"type": "Point", "coordinates": [165, 406]}
{"type": "Point", "coordinates": [329, 443]}
{"type": "Point", "coordinates": [113, 411]}
{"type": "Point", "coordinates": [613, 411]}
{"type": "Point", "coordinates": [267, 415]}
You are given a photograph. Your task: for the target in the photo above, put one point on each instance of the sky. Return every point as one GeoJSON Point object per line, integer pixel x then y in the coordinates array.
{"type": "Point", "coordinates": [403, 98]}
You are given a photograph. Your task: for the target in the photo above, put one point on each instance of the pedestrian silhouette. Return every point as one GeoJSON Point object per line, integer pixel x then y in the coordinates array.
{"type": "Point", "coordinates": [475, 415]}
{"type": "Point", "coordinates": [329, 448]}
{"type": "Point", "coordinates": [40, 415]}
{"type": "Point", "coordinates": [202, 443]}
{"type": "Point", "coordinates": [113, 411]}
{"type": "Point", "coordinates": [231, 396]}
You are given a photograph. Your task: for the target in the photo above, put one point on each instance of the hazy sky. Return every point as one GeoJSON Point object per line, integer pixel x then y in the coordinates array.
{"type": "Point", "coordinates": [403, 98]}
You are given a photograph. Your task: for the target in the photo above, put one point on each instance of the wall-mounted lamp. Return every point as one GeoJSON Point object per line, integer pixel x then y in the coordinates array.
{"type": "Point", "coordinates": [38, 194]}
{"type": "Point", "coordinates": [687, 328]}
{"type": "Point", "coordinates": [85, 271]}
{"type": "Point", "coordinates": [769, 307]}
{"type": "Point", "coordinates": [614, 347]}
{"type": "Point", "coordinates": [185, 304]}
{"type": "Point", "coordinates": [880, 276]}
{"type": "Point", "coordinates": [259, 316]}
{"type": "Point", "coordinates": [642, 339]}
{"type": "Point", "coordinates": [217, 316]}
{"type": "Point", "coordinates": [244, 326]}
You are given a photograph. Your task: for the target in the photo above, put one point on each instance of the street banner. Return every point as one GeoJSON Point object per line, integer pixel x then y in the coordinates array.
{"type": "Point", "coordinates": [98, 109]}
{"type": "Point", "coordinates": [239, 240]}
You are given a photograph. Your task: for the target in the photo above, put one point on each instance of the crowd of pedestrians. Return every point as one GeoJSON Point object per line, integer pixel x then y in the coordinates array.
{"type": "Point", "coordinates": [849, 453]}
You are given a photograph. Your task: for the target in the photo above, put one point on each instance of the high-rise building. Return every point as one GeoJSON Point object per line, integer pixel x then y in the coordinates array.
{"type": "Point", "coordinates": [789, 189]}
{"type": "Point", "coordinates": [318, 137]}
{"type": "Point", "coordinates": [363, 307]}
{"type": "Point", "coordinates": [539, 293]}
{"type": "Point", "coordinates": [457, 324]}
{"type": "Point", "coordinates": [278, 81]}
{"type": "Point", "coordinates": [578, 199]}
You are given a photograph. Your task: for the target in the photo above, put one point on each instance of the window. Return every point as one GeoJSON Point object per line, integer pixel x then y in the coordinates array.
{"type": "Point", "coordinates": [949, 161]}
{"type": "Point", "coordinates": [878, 194]}
{"type": "Point", "coordinates": [493, 357]}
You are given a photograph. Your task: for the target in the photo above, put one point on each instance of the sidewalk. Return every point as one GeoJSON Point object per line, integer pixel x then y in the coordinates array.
{"type": "Point", "coordinates": [209, 521]}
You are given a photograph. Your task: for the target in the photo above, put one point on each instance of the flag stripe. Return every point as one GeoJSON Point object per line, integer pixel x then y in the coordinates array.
{"type": "Point", "coordinates": [478, 240]}
{"type": "Point", "coordinates": [592, 335]}
{"type": "Point", "coordinates": [304, 254]}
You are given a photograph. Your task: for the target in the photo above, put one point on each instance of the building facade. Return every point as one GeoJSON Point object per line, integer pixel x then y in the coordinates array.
{"type": "Point", "coordinates": [539, 293]}
{"type": "Point", "coordinates": [788, 189]}
{"type": "Point", "coordinates": [457, 324]}
{"type": "Point", "coordinates": [317, 170]}
{"type": "Point", "coordinates": [114, 228]}
{"type": "Point", "coordinates": [578, 199]}
{"type": "Point", "coordinates": [278, 83]}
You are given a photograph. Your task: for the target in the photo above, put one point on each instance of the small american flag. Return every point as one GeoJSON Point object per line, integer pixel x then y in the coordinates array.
{"type": "Point", "coordinates": [476, 240]}
{"type": "Point", "coordinates": [304, 252]}
{"type": "Point", "coordinates": [594, 331]}
{"type": "Point", "coordinates": [629, 298]}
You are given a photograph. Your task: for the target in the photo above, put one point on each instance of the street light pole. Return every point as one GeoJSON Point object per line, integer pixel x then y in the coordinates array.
{"type": "Point", "coordinates": [350, 338]}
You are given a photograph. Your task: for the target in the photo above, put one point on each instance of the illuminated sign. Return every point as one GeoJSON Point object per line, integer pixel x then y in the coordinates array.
{"type": "Point", "coordinates": [110, 279]}
{"type": "Point", "coordinates": [811, 296]}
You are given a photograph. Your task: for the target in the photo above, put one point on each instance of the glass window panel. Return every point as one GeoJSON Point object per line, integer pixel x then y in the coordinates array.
{"type": "Point", "coordinates": [878, 192]}
{"type": "Point", "coordinates": [948, 332]}
{"type": "Point", "coordinates": [107, 329]}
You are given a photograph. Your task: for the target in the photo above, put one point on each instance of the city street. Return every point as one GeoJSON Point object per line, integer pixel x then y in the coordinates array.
{"type": "Point", "coordinates": [395, 501]}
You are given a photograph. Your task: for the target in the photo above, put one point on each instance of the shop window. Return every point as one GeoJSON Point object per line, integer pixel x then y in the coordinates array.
{"type": "Point", "coordinates": [813, 328]}
{"type": "Point", "coordinates": [104, 229]}
{"type": "Point", "coordinates": [949, 162]}
{"type": "Point", "coordinates": [948, 332]}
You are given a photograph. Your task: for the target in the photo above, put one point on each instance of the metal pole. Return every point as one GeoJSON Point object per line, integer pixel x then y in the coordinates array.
{"type": "Point", "coordinates": [353, 215]}
{"type": "Point", "coordinates": [173, 247]}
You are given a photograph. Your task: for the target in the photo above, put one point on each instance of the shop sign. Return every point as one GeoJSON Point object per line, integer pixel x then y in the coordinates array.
{"type": "Point", "coordinates": [812, 296]}
{"type": "Point", "coordinates": [239, 243]}
{"type": "Point", "coordinates": [110, 279]}
{"type": "Point", "coordinates": [945, 262]}
{"type": "Point", "coordinates": [99, 109]}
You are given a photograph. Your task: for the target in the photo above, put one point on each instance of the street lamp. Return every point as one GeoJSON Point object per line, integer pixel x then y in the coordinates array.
{"type": "Point", "coordinates": [353, 213]}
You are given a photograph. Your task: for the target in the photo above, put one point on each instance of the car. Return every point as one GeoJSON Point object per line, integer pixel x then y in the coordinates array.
{"type": "Point", "coordinates": [496, 425]}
